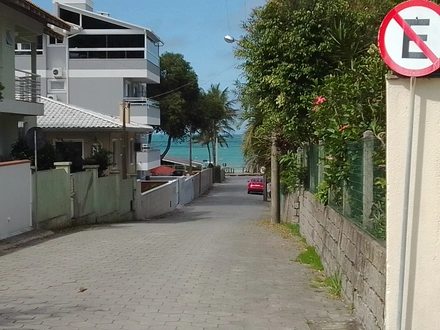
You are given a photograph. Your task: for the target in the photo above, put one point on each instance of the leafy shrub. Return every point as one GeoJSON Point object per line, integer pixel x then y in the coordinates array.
{"type": "Point", "coordinates": [101, 157]}
{"type": "Point", "coordinates": [46, 156]}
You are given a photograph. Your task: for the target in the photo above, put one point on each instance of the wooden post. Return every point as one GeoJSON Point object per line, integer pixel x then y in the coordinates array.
{"type": "Point", "coordinates": [368, 178]}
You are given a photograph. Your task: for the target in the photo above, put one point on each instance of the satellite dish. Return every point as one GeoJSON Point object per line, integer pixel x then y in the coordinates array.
{"type": "Point", "coordinates": [263, 169]}
{"type": "Point", "coordinates": [229, 39]}
{"type": "Point", "coordinates": [40, 137]}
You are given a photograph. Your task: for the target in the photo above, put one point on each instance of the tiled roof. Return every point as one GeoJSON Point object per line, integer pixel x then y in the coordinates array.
{"type": "Point", "coordinates": [58, 115]}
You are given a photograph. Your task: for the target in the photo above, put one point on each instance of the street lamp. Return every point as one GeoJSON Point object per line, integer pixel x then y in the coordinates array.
{"type": "Point", "coordinates": [274, 173]}
{"type": "Point", "coordinates": [229, 39]}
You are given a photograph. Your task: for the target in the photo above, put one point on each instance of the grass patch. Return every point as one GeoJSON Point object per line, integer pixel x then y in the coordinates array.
{"type": "Point", "coordinates": [334, 283]}
{"type": "Point", "coordinates": [311, 258]}
{"type": "Point", "coordinates": [294, 228]}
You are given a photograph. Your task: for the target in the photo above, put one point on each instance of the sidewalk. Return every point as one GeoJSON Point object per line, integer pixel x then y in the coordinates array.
{"type": "Point", "coordinates": [207, 265]}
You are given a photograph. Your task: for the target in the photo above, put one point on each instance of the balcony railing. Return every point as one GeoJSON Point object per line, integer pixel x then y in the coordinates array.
{"type": "Point", "coordinates": [27, 86]}
{"type": "Point", "coordinates": [141, 100]}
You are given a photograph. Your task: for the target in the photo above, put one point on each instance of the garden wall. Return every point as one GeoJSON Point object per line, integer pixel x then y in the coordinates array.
{"type": "Point", "coordinates": [346, 249]}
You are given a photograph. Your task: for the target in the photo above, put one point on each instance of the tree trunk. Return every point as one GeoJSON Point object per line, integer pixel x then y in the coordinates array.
{"type": "Point", "coordinates": [209, 152]}
{"type": "Point", "coordinates": [167, 148]}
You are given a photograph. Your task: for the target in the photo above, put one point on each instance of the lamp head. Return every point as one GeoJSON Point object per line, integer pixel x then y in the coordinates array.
{"type": "Point", "coordinates": [229, 39]}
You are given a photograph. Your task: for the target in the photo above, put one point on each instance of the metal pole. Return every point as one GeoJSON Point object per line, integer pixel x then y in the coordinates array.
{"type": "Point", "coordinates": [275, 183]}
{"type": "Point", "coordinates": [190, 151]}
{"type": "Point", "coordinates": [124, 143]}
{"type": "Point", "coordinates": [404, 237]}
{"type": "Point", "coordinates": [36, 177]}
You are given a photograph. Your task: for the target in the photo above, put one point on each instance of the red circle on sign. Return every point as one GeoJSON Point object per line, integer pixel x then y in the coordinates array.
{"type": "Point", "coordinates": [383, 28]}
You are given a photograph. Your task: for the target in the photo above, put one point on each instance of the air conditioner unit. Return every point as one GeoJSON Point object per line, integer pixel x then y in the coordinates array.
{"type": "Point", "coordinates": [52, 97]}
{"type": "Point", "coordinates": [57, 72]}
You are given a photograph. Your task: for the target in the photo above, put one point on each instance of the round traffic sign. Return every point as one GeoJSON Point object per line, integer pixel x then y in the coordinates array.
{"type": "Point", "coordinates": [408, 38]}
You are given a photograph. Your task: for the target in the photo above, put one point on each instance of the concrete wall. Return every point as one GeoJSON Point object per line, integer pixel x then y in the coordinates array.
{"type": "Point", "coordinates": [206, 180]}
{"type": "Point", "coordinates": [167, 197]}
{"type": "Point", "coordinates": [157, 201]}
{"type": "Point", "coordinates": [62, 199]}
{"type": "Point", "coordinates": [15, 197]}
{"type": "Point", "coordinates": [347, 250]}
{"type": "Point", "coordinates": [422, 272]}
{"type": "Point", "coordinates": [83, 202]}
{"type": "Point", "coordinates": [186, 190]}
{"type": "Point", "coordinates": [51, 199]}
{"type": "Point", "coordinates": [100, 94]}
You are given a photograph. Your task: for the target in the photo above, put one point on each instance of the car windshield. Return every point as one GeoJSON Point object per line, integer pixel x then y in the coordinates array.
{"type": "Point", "coordinates": [256, 180]}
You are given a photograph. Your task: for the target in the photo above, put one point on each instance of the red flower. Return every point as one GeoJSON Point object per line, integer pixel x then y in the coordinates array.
{"type": "Point", "coordinates": [342, 128]}
{"type": "Point", "coordinates": [319, 100]}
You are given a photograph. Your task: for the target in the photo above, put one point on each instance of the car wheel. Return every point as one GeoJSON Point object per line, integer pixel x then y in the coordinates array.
{"type": "Point", "coordinates": [249, 192]}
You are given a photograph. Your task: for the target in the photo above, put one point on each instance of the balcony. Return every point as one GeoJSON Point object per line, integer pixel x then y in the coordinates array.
{"type": "Point", "coordinates": [27, 96]}
{"type": "Point", "coordinates": [143, 110]}
{"type": "Point", "coordinates": [147, 160]}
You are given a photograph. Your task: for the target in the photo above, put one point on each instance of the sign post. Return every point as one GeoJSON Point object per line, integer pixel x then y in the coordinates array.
{"type": "Point", "coordinates": [408, 45]}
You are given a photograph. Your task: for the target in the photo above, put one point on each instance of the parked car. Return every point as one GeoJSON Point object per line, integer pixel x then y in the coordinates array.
{"type": "Point", "coordinates": [255, 186]}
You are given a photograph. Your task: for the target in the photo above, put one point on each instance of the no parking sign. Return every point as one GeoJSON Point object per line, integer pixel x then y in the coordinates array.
{"type": "Point", "coordinates": [408, 38]}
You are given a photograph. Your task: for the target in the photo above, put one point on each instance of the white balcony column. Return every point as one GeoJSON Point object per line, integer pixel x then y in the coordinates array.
{"type": "Point", "coordinates": [34, 71]}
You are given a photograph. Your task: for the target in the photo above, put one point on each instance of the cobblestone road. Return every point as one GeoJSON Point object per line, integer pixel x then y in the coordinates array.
{"type": "Point", "coordinates": [207, 265]}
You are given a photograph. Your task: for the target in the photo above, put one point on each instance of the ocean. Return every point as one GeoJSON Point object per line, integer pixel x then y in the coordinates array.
{"type": "Point", "coordinates": [232, 155]}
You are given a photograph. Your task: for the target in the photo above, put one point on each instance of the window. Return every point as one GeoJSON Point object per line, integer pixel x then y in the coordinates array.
{"type": "Point", "coordinates": [72, 147]}
{"type": "Point", "coordinates": [56, 86]}
{"type": "Point", "coordinates": [70, 16]}
{"type": "Point", "coordinates": [126, 41]}
{"type": "Point", "coordinates": [104, 54]}
{"type": "Point", "coordinates": [88, 41]}
{"type": "Point", "coordinates": [152, 52]}
{"type": "Point", "coordinates": [55, 41]}
{"type": "Point", "coordinates": [94, 24]}
{"type": "Point", "coordinates": [25, 48]}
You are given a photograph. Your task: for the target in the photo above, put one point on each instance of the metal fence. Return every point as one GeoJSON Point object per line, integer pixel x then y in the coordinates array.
{"type": "Point", "coordinates": [360, 195]}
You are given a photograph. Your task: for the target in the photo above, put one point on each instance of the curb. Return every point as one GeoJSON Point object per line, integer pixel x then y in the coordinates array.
{"type": "Point", "coordinates": [22, 239]}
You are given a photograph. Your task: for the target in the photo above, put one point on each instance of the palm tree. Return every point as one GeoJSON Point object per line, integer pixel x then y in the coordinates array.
{"type": "Point", "coordinates": [219, 121]}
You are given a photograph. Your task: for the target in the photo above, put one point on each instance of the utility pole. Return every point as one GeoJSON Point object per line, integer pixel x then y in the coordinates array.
{"type": "Point", "coordinates": [190, 151]}
{"type": "Point", "coordinates": [275, 183]}
{"type": "Point", "coordinates": [124, 140]}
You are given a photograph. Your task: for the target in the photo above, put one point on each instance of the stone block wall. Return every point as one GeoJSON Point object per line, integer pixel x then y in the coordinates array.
{"type": "Point", "coordinates": [345, 249]}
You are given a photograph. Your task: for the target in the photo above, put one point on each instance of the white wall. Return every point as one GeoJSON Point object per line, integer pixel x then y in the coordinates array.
{"type": "Point", "coordinates": [421, 306]}
{"type": "Point", "coordinates": [15, 197]}
{"type": "Point", "coordinates": [186, 190]}
{"type": "Point", "coordinates": [156, 201]}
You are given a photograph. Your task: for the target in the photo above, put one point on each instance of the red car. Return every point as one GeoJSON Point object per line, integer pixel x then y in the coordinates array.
{"type": "Point", "coordinates": [255, 185]}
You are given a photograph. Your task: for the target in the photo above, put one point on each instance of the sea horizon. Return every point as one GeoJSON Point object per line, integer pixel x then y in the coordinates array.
{"type": "Point", "coordinates": [231, 156]}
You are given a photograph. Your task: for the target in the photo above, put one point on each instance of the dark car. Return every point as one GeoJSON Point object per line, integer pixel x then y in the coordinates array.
{"type": "Point", "coordinates": [255, 186]}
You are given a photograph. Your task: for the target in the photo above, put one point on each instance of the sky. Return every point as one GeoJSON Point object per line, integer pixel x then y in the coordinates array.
{"type": "Point", "coordinates": [194, 28]}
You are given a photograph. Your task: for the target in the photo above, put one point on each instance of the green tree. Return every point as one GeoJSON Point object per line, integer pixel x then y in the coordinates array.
{"type": "Point", "coordinates": [46, 156]}
{"type": "Point", "coordinates": [218, 118]}
{"type": "Point", "coordinates": [296, 51]}
{"type": "Point", "coordinates": [178, 95]}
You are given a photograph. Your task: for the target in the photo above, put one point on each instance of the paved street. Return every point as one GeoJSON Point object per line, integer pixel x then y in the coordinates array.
{"type": "Point", "coordinates": [208, 265]}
